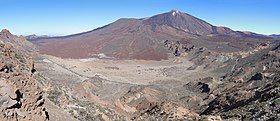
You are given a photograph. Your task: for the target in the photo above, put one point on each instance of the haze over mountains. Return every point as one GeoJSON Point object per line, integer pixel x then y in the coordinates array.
{"type": "Point", "coordinates": [143, 38]}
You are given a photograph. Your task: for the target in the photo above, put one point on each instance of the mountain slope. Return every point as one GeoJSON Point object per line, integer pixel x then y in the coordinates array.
{"type": "Point", "coordinates": [185, 22]}
{"type": "Point", "coordinates": [143, 38]}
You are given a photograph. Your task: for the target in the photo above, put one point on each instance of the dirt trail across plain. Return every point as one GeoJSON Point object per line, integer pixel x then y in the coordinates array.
{"type": "Point", "coordinates": [135, 72]}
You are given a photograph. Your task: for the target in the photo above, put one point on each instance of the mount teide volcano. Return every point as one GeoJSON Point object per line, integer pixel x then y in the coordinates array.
{"type": "Point", "coordinates": [144, 38]}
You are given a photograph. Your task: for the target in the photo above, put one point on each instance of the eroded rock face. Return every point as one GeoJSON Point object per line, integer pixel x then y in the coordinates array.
{"type": "Point", "coordinates": [256, 97]}
{"type": "Point", "coordinates": [201, 85]}
{"type": "Point", "coordinates": [145, 103]}
{"type": "Point", "coordinates": [167, 111]}
{"type": "Point", "coordinates": [20, 96]}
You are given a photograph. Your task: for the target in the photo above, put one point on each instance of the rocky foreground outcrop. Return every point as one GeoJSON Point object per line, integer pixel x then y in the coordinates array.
{"type": "Point", "coordinates": [20, 96]}
{"type": "Point", "coordinates": [251, 90]}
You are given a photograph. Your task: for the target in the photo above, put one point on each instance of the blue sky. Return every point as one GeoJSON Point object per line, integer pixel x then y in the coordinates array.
{"type": "Point", "coordinates": [62, 17]}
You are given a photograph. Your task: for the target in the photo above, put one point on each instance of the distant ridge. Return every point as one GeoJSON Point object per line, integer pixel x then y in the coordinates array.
{"type": "Point", "coordinates": [275, 35]}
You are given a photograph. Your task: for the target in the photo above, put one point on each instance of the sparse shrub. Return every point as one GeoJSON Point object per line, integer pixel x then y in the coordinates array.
{"type": "Point", "coordinates": [54, 96]}
{"type": "Point", "coordinates": [19, 57]}
{"type": "Point", "coordinates": [40, 78]}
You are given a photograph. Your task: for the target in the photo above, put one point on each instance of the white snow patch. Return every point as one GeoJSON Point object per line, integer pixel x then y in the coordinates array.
{"type": "Point", "coordinates": [173, 13]}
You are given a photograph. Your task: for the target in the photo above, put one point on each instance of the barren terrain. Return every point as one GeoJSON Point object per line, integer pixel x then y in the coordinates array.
{"type": "Point", "coordinates": [170, 66]}
{"type": "Point", "coordinates": [118, 76]}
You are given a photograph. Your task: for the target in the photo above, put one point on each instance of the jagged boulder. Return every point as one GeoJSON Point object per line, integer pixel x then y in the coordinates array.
{"type": "Point", "coordinates": [257, 76]}
{"type": "Point", "coordinates": [203, 87]}
{"type": "Point", "coordinates": [211, 118]}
